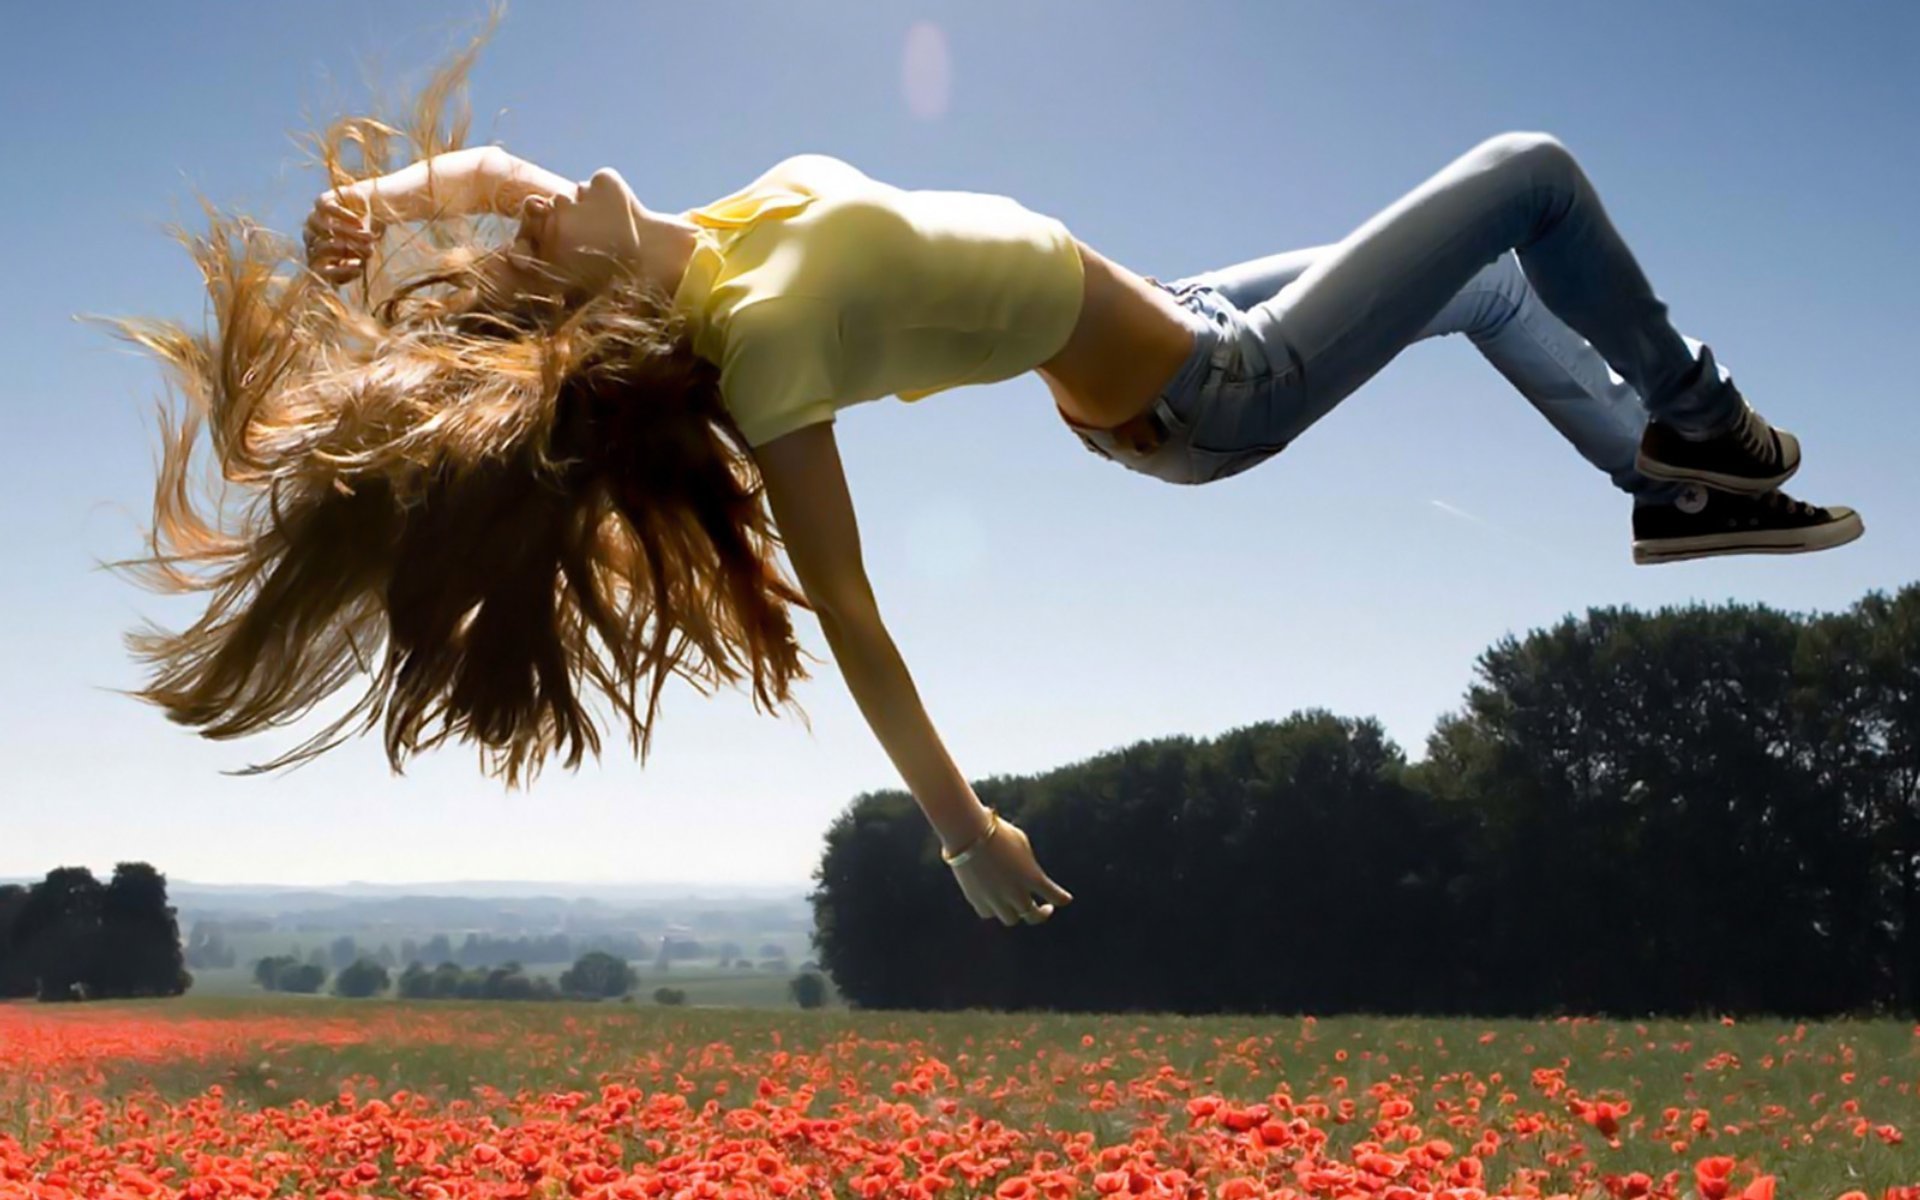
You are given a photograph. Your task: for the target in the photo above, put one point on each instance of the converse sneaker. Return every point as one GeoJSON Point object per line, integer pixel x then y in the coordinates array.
{"type": "Point", "coordinates": [1704, 522]}
{"type": "Point", "coordinates": [1751, 457]}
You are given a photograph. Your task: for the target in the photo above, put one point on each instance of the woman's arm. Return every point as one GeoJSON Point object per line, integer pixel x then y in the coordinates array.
{"type": "Point", "coordinates": [807, 492]}
{"type": "Point", "coordinates": [479, 179]}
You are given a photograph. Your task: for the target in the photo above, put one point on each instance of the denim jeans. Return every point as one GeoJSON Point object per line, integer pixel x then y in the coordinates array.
{"type": "Point", "coordinates": [1507, 244]}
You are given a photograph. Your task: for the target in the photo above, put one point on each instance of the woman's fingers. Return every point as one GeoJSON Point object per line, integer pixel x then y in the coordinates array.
{"type": "Point", "coordinates": [332, 210]}
{"type": "Point", "coordinates": [338, 239]}
{"type": "Point", "coordinates": [1021, 909]}
{"type": "Point", "coordinates": [324, 236]}
{"type": "Point", "coordinates": [1011, 902]}
{"type": "Point", "coordinates": [321, 227]}
{"type": "Point", "coordinates": [339, 270]}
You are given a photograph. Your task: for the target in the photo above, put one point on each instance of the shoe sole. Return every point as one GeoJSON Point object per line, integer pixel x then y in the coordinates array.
{"type": "Point", "coordinates": [1744, 485]}
{"type": "Point", "coordinates": [1771, 541]}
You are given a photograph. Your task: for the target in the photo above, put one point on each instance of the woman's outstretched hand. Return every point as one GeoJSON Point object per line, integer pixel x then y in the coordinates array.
{"type": "Point", "coordinates": [339, 239]}
{"type": "Point", "coordinates": [1002, 877]}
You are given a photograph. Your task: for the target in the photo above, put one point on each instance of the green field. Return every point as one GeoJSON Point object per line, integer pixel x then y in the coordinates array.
{"type": "Point", "coordinates": [705, 982]}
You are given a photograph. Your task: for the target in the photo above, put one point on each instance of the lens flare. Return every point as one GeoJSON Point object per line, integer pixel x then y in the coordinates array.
{"type": "Point", "coordinates": [926, 71]}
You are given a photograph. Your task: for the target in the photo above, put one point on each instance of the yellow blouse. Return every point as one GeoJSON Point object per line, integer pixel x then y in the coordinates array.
{"type": "Point", "coordinates": [815, 287]}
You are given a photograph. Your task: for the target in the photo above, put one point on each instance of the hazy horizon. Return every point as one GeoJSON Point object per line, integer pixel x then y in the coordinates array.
{"type": "Point", "coordinates": [1050, 605]}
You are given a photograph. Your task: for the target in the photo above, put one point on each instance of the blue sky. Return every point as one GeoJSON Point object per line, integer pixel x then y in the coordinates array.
{"type": "Point", "coordinates": [1758, 157]}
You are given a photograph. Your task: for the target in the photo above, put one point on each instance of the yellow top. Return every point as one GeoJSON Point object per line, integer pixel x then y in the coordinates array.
{"type": "Point", "coordinates": [815, 287]}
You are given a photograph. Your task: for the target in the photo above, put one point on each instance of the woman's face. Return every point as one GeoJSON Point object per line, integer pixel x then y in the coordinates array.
{"type": "Point", "coordinates": [570, 245]}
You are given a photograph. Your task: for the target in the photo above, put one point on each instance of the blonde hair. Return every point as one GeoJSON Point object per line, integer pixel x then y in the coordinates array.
{"type": "Point", "coordinates": [522, 508]}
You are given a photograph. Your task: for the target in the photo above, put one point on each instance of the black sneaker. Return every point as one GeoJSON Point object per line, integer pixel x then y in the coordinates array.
{"type": "Point", "coordinates": [1752, 457]}
{"type": "Point", "coordinates": [1705, 522]}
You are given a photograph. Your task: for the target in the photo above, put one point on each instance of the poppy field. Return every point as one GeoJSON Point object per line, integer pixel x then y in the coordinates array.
{"type": "Point", "coordinates": [326, 1098]}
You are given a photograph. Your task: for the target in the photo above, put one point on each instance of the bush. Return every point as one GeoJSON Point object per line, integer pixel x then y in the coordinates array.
{"type": "Point", "coordinates": [667, 995]}
{"type": "Point", "coordinates": [808, 990]}
{"type": "Point", "coordinates": [304, 978]}
{"type": "Point", "coordinates": [415, 983]}
{"type": "Point", "coordinates": [361, 978]}
{"type": "Point", "coordinates": [449, 982]}
{"type": "Point", "coordinates": [266, 971]}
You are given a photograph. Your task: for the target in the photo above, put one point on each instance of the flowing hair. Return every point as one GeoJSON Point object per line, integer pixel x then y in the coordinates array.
{"type": "Point", "coordinates": [524, 508]}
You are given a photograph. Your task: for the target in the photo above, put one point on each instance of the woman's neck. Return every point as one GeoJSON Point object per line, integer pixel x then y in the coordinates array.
{"type": "Point", "coordinates": [666, 247]}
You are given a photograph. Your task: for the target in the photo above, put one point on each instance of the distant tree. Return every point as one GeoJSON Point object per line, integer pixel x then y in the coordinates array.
{"type": "Point", "coordinates": [266, 971]}
{"type": "Point", "coordinates": [447, 978]}
{"type": "Point", "coordinates": [598, 974]}
{"type": "Point", "coordinates": [630, 946]}
{"type": "Point", "coordinates": [286, 973]}
{"type": "Point", "coordinates": [409, 951]}
{"type": "Point", "coordinates": [384, 955]}
{"type": "Point", "coordinates": [669, 995]}
{"type": "Point", "coordinates": [773, 950]}
{"type": "Point", "coordinates": [317, 957]}
{"type": "Point", "coordinates": [306, 978]}
{"type": "Point", "coordinates": [415, 983]}
{"type": "Point", "coordinates": [343, 953]}
{"type": "Point", "coordinates": [437, 949]}
{"type": "Point", "coordinates": [361, 978]}
{"type": "Point", "coordinates": [808, 990]}
{"type": "Point", "coordinates": [507, 982]}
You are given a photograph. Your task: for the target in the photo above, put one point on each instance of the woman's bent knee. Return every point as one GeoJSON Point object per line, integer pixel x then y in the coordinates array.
{"type": "Point", "coordinates": [1524, 145]}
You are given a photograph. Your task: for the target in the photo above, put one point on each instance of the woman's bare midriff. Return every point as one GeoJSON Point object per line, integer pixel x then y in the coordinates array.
{"type": "Point", "coordinates": [1124, 350]}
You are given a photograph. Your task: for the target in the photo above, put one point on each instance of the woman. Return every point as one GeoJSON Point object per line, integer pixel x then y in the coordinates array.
{"type": "Point", "coordinates": [575, 444]}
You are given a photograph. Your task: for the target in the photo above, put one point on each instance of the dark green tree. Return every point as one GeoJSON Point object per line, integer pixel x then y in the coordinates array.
{"type": "Point", "coordinates": [361, 978]}
{"type": "Point", "coordinates": [809, 989]}
{"type": "Point", "coordinates": [599, 975]}
{"type": "Point", "coordinates": [15, 977]}
{"type": "Point", "coordinates": [266, 971]}
{"type": "Point", "coordinates": [139, 949]}
{"type": "Point", "coordinates": [415, 983]}
{"type": "Point", "coordinates": [57, 933]}
{"type": "Point", "coordinates": [304, 978]}
{"type": "Point", "coordinates": [1890, 642]}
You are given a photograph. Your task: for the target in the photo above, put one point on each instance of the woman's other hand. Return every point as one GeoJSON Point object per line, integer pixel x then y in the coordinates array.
{"type": "Point", "coordinates": [1001, 878]}
{"type": "Point", "coordinates": [339, 238]}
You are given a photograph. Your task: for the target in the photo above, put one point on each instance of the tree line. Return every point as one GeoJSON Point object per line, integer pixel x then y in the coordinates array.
{"type": "Point", "coordinates": [595, 975]}
{"type": "Point", "coordinates": [1701, 809]}
{"type": "Point", "coordinates": [71, 937]}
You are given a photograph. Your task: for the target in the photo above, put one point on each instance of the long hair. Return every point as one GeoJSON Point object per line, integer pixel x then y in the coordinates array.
{"type": "Point", "coordinates": [488, 514]}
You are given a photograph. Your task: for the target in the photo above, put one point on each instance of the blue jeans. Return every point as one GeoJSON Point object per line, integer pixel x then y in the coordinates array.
{"type": "Point", "coordinates": [1280, 340]}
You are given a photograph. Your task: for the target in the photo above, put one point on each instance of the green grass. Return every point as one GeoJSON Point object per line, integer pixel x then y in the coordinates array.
{"type": "Point", "coordinates": [705, 983]}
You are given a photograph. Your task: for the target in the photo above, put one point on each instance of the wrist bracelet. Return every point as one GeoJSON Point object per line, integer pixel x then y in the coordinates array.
{"type": "Point", "coordinates": [993, 823]}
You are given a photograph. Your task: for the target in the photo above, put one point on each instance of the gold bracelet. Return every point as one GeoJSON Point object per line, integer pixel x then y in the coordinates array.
{"type": "Point", "coordinates": [993, 823]}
